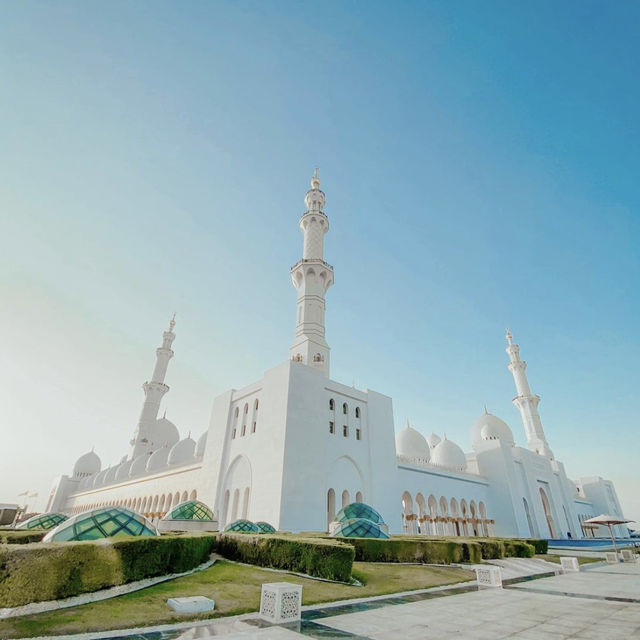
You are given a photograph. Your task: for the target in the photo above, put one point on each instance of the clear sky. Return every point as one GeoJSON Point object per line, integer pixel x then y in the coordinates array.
{"type": "Point", "coordinates": [480, 162]}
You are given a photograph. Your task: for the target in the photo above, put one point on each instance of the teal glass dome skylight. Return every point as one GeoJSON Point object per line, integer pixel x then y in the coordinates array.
{"type": "Point", "coordinates": [359, 510]}
{"type": "Point", "coordinates": [190, 510]}
{"type": "Point", "coordinates": [243, 526]}
{"type": "Point", "coordinates": [106, 522]}
{"type": "Point", "coordinates": [265, 527]}
{"type": "Point", "coordinates": [43, 521]}
{"type": "Point", "coordinates": [359, 528]}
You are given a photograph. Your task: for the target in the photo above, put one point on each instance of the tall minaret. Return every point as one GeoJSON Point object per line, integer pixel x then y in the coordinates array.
{"type": "Point", "coordinates": [526, 401]}
{"type": "Point", "coordinates": [153, 391]}
{"type": "Point", "coordinates": [312, 276]}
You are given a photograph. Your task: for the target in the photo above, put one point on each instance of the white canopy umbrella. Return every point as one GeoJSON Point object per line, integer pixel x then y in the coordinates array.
{"type": "Point", "coordinates": [609, 521]}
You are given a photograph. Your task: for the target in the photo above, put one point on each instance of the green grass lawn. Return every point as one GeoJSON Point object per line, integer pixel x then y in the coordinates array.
{"type": "Point", "coordinates": [235, 589]}
{"type": "Point", "coordinates": [581, 559]}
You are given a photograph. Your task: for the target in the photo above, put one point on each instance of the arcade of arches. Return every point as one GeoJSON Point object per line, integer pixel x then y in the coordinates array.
{"type": "Point", "coordinates": [444, 517]}
{"type": "Point", "coordinates": [152, 507]}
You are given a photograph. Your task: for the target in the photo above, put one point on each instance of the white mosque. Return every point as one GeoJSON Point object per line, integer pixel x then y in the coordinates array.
{"type": "Point", "coordinates": [294, 447]}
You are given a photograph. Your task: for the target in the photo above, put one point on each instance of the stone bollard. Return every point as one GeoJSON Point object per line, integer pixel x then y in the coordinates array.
{"type": "Point", "coordinates": [281, 602]}
{"type": "Point", "coordinates": [611, 557]}
{"type": "Point", "coordinates": [489, 576]}
{"type": "Point", "coordinates": [569, 565]}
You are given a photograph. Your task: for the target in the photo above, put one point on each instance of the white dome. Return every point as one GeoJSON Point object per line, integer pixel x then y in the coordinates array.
{"type": "Point", "coordinates": [449, 455]}
{"type": "Point", "coordinates": [412, 446]}
{"type": "Point", "coordinates": [123, 470]}
{"type": "Point", "coordinates": [110, 476]}
{"type": "Point", "coordinates": [183, 451]}
{"type": "Point", "coordinates": [158, 459]}
{"type": "Point", "coordinates": [163, 434]}
{"type": "Point", "coordinates": [138, 466]}
{"type": "Point", "coordinates": [490, 427]}
{"type": "Point", "coordinates": [202, 443]}
{"type": "Point", "coordinates": [99, 478]}
{"type": "Point", "coordinates": [86, 465]}
{"type": "Point", "coordinates": [433, 440]}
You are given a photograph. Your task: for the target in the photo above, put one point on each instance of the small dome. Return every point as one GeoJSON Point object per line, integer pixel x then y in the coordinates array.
{"type": "Point", "coordinates": [490, 427]}
{"type": "Point", "coordinates": [139, 465]}
{"type": "Point", "coordinates": [86, 465]}
{"type": "Point", "coordinates": [183, 451]}
{"type": "Point", "coordinates": [243, 526]}
{"type": "Point", "coordinates": [43, 521]}
{"type": "Point", "coordinates": [190, 510]}
{"type": "Point", "coordinates": [359, 528]}
{"type": "Point", "coordinates": [99, 478]}
{"type": "Point", "coordinates": [163, 434]}
{"type": "Point", "coordinates": [265, 527]}
{"type": "Point", "coordinates": [122, 473]}
{"type": "Point", "coordinates": [359, 510]}
{"type": "Point", "coordinates": [412, 446]}
{"type": "Point", "coordinates": [449, 455]}
{"type": "Point", "coordinates": [110, 476]}
{"type": "Point", "coordinates": [433, 440]}
{"type": "Point", "coordinates": [158, 459]}
{"type": "Point", "coordinates": [202, 443]}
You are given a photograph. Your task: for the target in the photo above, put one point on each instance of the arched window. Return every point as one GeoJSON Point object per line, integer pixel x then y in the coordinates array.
{"type": "Point", "coordinates": [528, 514]}
{"type": "Point", "coordinates": [357, 412]}
{"type": "Point", "coordinates": [237, 411]}
{"type": "Point", "coordinates": [345, 408]}
{"type": "Point", "coordinates": [245, 503]}
{"type": "Point", "coordinates": [185, 496]}
{"type": "Point", "coordinates": [246, 407]}
{"type": "Point", "coordinates": [547, 512]}
{"type": "Point", "coordinates": [255, 405]}
{"type": "Point", "coordinates": [194, 495]}
{"type": "Point", "coordinates": [358, 496]}
{"type": "Point", "coordinates": [345, 498]}
{"type": "Point", "coordinates": [234, 508]}
{"type": "Point", "coordinates": [332, 404]}
{"type": "Point", "coordinates": [331, 507]}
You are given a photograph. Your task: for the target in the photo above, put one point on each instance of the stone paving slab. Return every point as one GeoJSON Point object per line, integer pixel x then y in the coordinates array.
{"type": "Point", "coordinates": [495, 614]}
{"type": "Point", "coordinates": [589, 584]}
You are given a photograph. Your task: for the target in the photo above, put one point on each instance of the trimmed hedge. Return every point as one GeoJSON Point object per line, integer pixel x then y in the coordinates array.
{"type": "Point", "coordinates": [541, 546]}
{"type": "Point", "coordinates": [414, 550]}
{"type": "Point", "coordinates": [49, 571]}
{"type": "Point", "coordinates": [331, 559]}
{"type": "Point", "coordinates": [13, 536]}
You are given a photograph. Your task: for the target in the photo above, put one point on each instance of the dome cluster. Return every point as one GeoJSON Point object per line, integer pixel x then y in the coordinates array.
{"type": "Point", "coordinates": [414, 448]}
{"type": "Point", "coordinates": [246, 526]}
{"type": "Point", "coordinates": [168, 450]}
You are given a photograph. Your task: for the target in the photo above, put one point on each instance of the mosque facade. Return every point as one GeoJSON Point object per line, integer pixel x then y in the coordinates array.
{"type": "Point", "coordinates": [296, 446]}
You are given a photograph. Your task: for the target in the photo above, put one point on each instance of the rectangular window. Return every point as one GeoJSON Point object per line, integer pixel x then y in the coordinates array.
{"type": "Point", "coordinates": [358, 434]}
{"type": "Point", "coordinates": [244, 429]}
{"type": "Point", "coordinates": [345, 431]}
{"type": "Point", "coordinates": [253, 428]}
{"type": "Point", "coordinates": [332, 427]}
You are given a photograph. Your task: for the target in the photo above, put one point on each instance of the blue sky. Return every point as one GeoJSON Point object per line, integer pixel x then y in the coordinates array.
{"type": "Point", "coordinates": [480, 163]}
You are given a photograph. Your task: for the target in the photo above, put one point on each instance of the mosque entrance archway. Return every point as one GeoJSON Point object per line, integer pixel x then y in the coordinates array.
{"type": "Point", "coordinates": [547, 513]}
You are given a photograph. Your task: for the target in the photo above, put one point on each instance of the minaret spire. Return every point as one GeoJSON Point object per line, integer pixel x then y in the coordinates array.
{"type": "Point", "coordinates": [526, 402]}
{"type": "Point", "coordinates": [154, 390]}
{"type": "Point", "coordinates": [312, 276]}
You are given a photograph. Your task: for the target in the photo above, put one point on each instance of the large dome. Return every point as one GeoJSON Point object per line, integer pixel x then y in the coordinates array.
{"type": "Point", "coordinates": [449, 455]}
{"type": "Point", "coordinates": [490, 427]}
{"type": "Point", "coordinates": [163, 434]}
{"type": "Point", "coordinates": [86, 466]}
{"type": "Point", "coordinates": [412, 446]}
{"type": "Point", "coordinates": [183, 451]}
